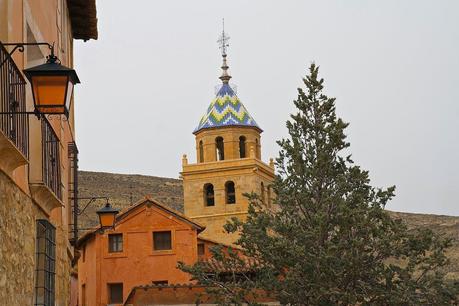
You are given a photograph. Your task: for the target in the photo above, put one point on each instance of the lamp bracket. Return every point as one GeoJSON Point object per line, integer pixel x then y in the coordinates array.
{"type": "Point", "coordinates": [35, 112]}
{"type": "Point", "coordinates": [91, 200]}
{"type": "Point", "coordinates": [20, 47]}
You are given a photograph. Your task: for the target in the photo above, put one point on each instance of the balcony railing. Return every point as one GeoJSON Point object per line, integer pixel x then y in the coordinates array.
{"type": "Point", "coordinates": [13, 99]}
{"type": "Point", "coordinates": [51, 159]}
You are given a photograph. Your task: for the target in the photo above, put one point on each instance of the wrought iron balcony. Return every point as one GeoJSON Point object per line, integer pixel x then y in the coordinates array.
{"type": "Point", "coordinates": [51, 159]}
{"type": "Point", "coordinates": [14, 126]}
{"type": "Point", "coordinates": [45, 182]}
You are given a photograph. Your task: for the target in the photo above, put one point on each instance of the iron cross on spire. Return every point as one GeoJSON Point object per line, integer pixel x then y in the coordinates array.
{"type": "Point", "coordinates": [223, 40]}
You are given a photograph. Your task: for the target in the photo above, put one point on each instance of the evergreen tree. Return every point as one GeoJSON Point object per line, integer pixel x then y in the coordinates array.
{"type": "Point", "coordinates": [327, 240]}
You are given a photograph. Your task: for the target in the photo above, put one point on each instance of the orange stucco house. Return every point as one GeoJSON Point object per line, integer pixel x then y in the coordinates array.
{"type": "Point", "coordinates": [143, 248]}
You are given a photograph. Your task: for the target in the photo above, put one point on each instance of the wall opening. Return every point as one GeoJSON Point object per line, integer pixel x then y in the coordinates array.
{"type": "Point", "coordinates": [269, 195]}
{"type": "Point", "coordinates": [220, 148]}
{"type": "Point", "coordinates": [242, 149]}
{"type": "Point", "coordinates": [209, 196]}
{"type": "Point", "coordinates": [230, 192]}
{"type": "Point", "coordinates": [262, 192]}
{"type": "Point", "coordinates": [201, 152]}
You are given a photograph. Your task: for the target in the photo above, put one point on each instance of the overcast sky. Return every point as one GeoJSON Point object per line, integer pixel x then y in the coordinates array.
{"type": "Point", "coordinates": [392, 65]}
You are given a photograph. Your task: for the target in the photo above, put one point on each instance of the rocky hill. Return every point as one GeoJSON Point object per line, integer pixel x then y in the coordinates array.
{"type": "Point", "coordinates": [125, 189]}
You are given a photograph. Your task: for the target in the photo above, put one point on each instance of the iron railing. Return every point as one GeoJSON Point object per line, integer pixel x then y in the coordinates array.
{"type": "Point", "coordinates": [51, 166]}
{"type": "Point", "coordinates": [73, 190]}
{"type": "Point", "coordinates": [45, 264]}
{"type": "Point", "coordinates": [12, 100]}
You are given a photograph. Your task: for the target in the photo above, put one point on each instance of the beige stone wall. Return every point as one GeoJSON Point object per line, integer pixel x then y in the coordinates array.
{"type": "Point", "coordinates": [230, 137]}
{"type": "Point", "coordinates": [18, 215]}
{"type": "Point", "coordinates": [247, 173]}
{"type": "Point", "coordinates": [17, 240]}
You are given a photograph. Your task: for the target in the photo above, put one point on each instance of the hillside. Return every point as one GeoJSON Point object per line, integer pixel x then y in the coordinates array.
{"type": "Point", "coordinates": [121, 188]}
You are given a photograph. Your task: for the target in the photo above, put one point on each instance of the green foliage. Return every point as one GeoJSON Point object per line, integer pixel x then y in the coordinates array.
{"type": "Point", "coordinates": [327, 240]}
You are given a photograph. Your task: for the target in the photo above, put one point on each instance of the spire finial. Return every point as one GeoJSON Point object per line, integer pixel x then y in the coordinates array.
{"type": "Point", "coordinates": [223, 42]}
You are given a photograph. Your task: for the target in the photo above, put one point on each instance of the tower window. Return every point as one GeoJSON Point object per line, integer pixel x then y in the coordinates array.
{"type": "Point", "coordinates": [201, 152]}
{"type": "Point", "coordinates": [220, 147]}
{"type": "Point", "coordinates": [209, 197]}
{"type": "Point", "coordinates": [242, 147]}
{"type": "Point", "coordinates": [269, 195]}
{"type": "Point", "coordinates": [230, 193]}
{"type": "Point", "coordinates": [262, 192]}
{"type": "Point", "coordinates": [257, 149]}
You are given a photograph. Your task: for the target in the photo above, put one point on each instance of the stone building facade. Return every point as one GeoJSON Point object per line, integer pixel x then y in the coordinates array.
{"type": "Point", "coordinates": [37, 154]}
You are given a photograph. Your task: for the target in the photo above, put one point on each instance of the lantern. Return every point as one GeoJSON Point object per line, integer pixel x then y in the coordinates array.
{"type": "Point", "coordinates": [107, 216]}
{"type": "Point", "coordinates": [52, 86]}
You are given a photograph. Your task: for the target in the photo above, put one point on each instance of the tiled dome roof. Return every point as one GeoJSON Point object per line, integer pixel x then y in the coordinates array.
{"type": "Point", "coordinates": [226, 110]}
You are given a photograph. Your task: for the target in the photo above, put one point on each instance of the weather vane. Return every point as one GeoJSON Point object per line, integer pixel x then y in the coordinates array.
{"type": "Point", "coordinates": [223, 40]}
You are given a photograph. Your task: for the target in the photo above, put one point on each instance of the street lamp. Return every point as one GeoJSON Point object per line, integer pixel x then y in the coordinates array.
{"type": "Point", "coordinates": [52, 86]}
{"type": "Point", "coordinates": [52, 83]}
{"type": "Point", "coordinates": [107, 216]}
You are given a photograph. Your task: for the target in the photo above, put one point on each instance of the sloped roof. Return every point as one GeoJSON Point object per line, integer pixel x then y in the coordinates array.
{"type": "Point", "coordinates": [128, 210]}
{"type": "Point", "coordinates": [226, 110]}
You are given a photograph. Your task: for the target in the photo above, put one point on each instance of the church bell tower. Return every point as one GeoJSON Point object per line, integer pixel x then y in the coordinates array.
{"type": "Point", "coordinates": [228, 150]}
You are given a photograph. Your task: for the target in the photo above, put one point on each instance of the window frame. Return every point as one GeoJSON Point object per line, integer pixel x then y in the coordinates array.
{"type": "Point", "coordinates": [219, 148]}
{"type": "Point", "coordinates": [208, 197]}
{"type": "Point", "coordinates": [201, 151]}
{"type": "Point", "coordinates": [242, 147]}
{"type": "Point", "coordinates": [117, 243]}
{"type": "Point", "coordinates": [262, 187]}
{"type": "Point", "coordinates": [228, 194]}
{"type": "Point", "coordinates": [109, 293]}
{"type": "Point", "coordinates": [201, 246]}
{"type": "Point", "coordinates": [171, 241]}
{"type": "Point", "coordinates": [45, 252]}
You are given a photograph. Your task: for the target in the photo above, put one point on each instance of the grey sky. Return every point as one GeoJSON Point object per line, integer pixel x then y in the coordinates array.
{"type": "Point", "coordinates": [392, 65]}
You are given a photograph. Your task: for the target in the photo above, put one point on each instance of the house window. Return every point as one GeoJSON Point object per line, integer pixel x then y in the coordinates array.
{"type": "Point", "coordinates": [115, 243]}
{"type": "Point", "coordinates": [115, 293]}
{"type": "Point", "coordinates": [201, 152]}
{"type": "Point", "coordinates": [45, 263]}
{"type": "Point", "coordinates": [162, 241]}
{"type": "Point", "coordinates": [209, 196]}
{"type": "Point", "coordinates": [201, 249]}
{"type": "Point", "coordinates": [83, 295]}
{"type": "Point", "coordinates": [242, 147]}
{"type": "Point", "coordinates": [220, 148]}
{"type": "Point", "coordinates": [230, 193]}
